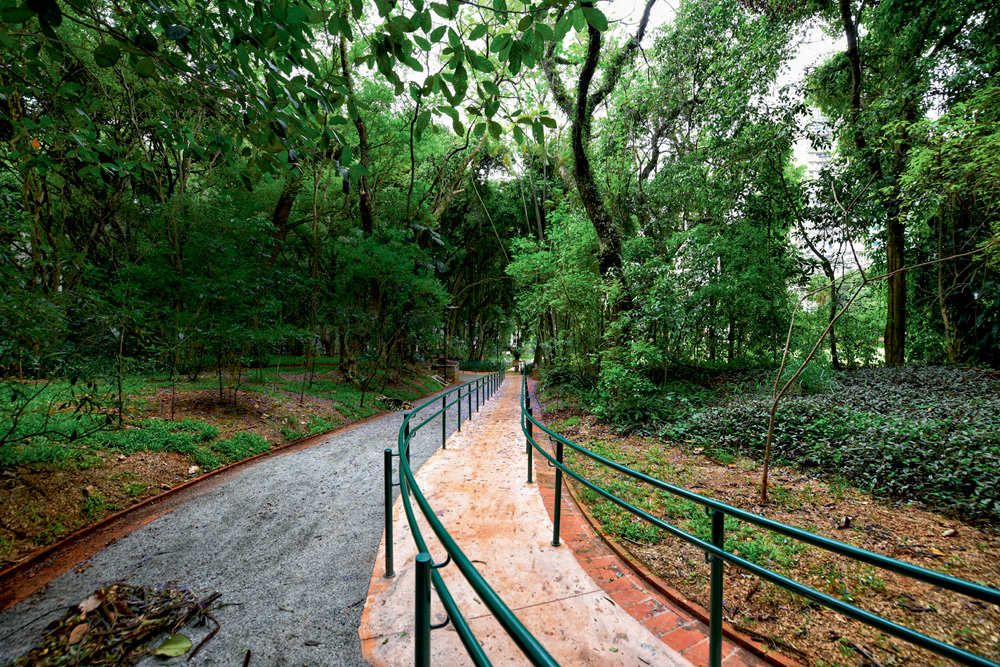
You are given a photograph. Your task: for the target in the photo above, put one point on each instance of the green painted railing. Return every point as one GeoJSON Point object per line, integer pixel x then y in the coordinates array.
{"type": "Point", "coordinates": [427, 575]}
{"type": "Point", "coordinates": [426, 571]}
{"type": "Point", "coordinates": [718, 556]}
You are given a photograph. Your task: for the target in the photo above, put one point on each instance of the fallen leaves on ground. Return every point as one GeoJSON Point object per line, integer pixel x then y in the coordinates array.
{"type": "Point", "coordinates": [115, 624]}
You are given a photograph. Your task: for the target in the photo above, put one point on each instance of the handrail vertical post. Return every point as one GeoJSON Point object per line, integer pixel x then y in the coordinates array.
{"type": "Point", "coordinates": [715, 606]}
{"type": "Point", "coordinates": [469, 395]}
{"type": "Point", "coordinates": [557, 511]}
{"type": "Point", "coordinates": [387, 455]}
{"type": "Point", "coordinates": [422, 617]}
{"type": "Point", "coordinates": [459, 404]}
{"type": "Point", "coordinates": [527, 442]}
{"type": "Point", "coordinates": [406, 436]}
{"type": "Point", "coordinates": [444, 421]}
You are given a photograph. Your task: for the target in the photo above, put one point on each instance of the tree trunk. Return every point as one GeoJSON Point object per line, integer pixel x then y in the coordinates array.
{"type": "Point", "coordinates": [895, 326]}
{"type": "Point", "coordinates": [282, 212]}
{"type": "Point", "coordinates": [364, 152]}
{"type": "Point", "coordinates": [581, 112]}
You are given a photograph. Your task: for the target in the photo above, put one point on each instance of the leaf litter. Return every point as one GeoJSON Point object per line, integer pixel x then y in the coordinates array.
{"type": "Point", "coordinates": [117, 625]}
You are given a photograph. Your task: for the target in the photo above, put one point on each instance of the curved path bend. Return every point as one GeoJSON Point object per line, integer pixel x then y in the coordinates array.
{"type": "Point", "coordinates": [289, 542]}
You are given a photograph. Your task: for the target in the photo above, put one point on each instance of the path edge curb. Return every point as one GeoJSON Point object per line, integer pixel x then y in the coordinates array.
{"type": "Point", "coordinates": [758, 649]}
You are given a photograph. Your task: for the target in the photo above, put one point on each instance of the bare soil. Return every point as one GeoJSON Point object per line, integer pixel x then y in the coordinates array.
{"type": "Point", "coordinates": [40, 504]}
{"type": "Point", "coordinates": [794, 626]}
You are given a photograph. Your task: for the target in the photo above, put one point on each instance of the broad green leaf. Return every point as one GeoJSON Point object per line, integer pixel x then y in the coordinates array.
{"type": "Point", "coordinates": [146, 68]}
{"type": "Point", "coordinates": [477, 32]}
{"type": "Point", "coordinates": [525, 22]}
{"type": "Point", "coordinates": [107, 55]}
{"type": "Point", "coordinates": [16, 14]}
{"type": "Point", "coordinates": [358, 8]}
{"type": "Point", "coordinates": [547, 121]}
{"type": "Point", "coordinates": [176, 32]}
{"type": "Point", "coordinates": [438, 33]}
{"type": "Point", "coordinates": [562, 27]}
{"type": "Point", "coordinates": [596, 18]}
{"type": "Point", "coordinates": [444, 11]}
{"type": "Point", "coordinates": [174, 646]}
{"type": "Point", "coordinates": [538, 132]}
{"type": "Point", "coordinates": [357, 170]}
{"type": "Point", "coordinates": [491, 88]}
{"type": "Point", "coordinates": [458, 127]}
{"type": "Point", "coordinates": [500, 42]}
{"type": "Point", "coordinates": [296, 15]}
{"type": "Point", "coordinates": [579, 19]}
{"type": "Point", "coordinates": [280, 10]}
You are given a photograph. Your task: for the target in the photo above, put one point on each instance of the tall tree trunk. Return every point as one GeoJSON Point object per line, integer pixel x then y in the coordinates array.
{"type": "Point", "coordinates": [281, 215]}
{"type": "Point", "coordinates": [895, 326]}
{"type": "Point", "coordinates": [581, 111]}
{"type": "Point", "coordinates": [364, 152]}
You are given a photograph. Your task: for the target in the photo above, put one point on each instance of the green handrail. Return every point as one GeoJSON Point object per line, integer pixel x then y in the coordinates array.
{"type": "Point", "coordinates": [530, 646]}
{"type": "Point", "coordinates": [719, 556]}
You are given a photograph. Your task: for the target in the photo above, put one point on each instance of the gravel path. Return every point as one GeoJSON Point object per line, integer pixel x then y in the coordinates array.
{"type": "Point", "coordinates": [290, 543]}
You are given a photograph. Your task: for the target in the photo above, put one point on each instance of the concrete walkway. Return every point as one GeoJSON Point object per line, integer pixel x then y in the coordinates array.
{"type": "Point", "coordinates": [289, 542]}
{"type": "Point", "coordinates": [477, 486]}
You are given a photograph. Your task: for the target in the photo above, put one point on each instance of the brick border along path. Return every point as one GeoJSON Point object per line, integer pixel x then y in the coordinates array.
{"type": "Point", "coordinates": [653, 603]}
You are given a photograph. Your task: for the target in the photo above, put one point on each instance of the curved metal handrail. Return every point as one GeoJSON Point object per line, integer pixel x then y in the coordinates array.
{"type": "Point", "coordinates": [718, 555]}
{"type": "Point", "coordinates": [526, 642]}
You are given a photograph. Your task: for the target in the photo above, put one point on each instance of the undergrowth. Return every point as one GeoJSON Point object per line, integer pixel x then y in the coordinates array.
{"type": "Point", "coordinates": [928, 434]}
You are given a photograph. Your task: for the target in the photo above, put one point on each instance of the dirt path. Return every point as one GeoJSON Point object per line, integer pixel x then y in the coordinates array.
{"type": "Point", "coordinates": [290, 543]}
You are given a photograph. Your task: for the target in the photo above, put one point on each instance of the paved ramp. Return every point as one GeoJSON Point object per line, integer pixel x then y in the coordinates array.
{"type": "Point", "coordinates": [477, 486]}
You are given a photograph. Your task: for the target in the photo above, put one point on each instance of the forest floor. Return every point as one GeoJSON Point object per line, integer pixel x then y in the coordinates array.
{"type": "Point", "coordinates": [900, 527]}
{"type": "Point", "coordinates": [172, 435]}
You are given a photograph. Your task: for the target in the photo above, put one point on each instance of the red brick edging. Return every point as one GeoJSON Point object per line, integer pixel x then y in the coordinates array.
{"type": "Point", "coordinates": [677, 621]}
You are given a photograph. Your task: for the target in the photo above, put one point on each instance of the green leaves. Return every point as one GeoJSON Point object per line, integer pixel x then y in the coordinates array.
{"type": "Point", "coordinates": [595, 18]}
{"type": "Point", "coordinates": [176, 32]}
{"type": "Point", "coordinates": [174, 646]}
{"type": "Point", "coordinates": [107, 55]}
{"type": "Point", "coordinates": [18, 14]}
{"type": "Point", "coordinates": [146, 68]}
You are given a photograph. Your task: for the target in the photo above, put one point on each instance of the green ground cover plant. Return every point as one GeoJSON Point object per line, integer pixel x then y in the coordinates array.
{"type": "Point", "coordinates": [51, 432]}
{"type": "Point", "coordinates": [925, 433]}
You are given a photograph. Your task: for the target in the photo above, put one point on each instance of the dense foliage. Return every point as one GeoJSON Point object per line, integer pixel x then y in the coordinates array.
{"type": "Point", "coordinates": [196, 189]}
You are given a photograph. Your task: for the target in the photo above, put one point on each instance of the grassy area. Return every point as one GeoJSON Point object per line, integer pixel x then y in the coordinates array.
{"type": "Point", "coordinates": [293, 360]}
{"type": "Point", "coordinates": [755, 544]}
{"type": "Point", "coordinates": [60, 423]}
{"type": "Point", "coordinates": [67, 463]}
